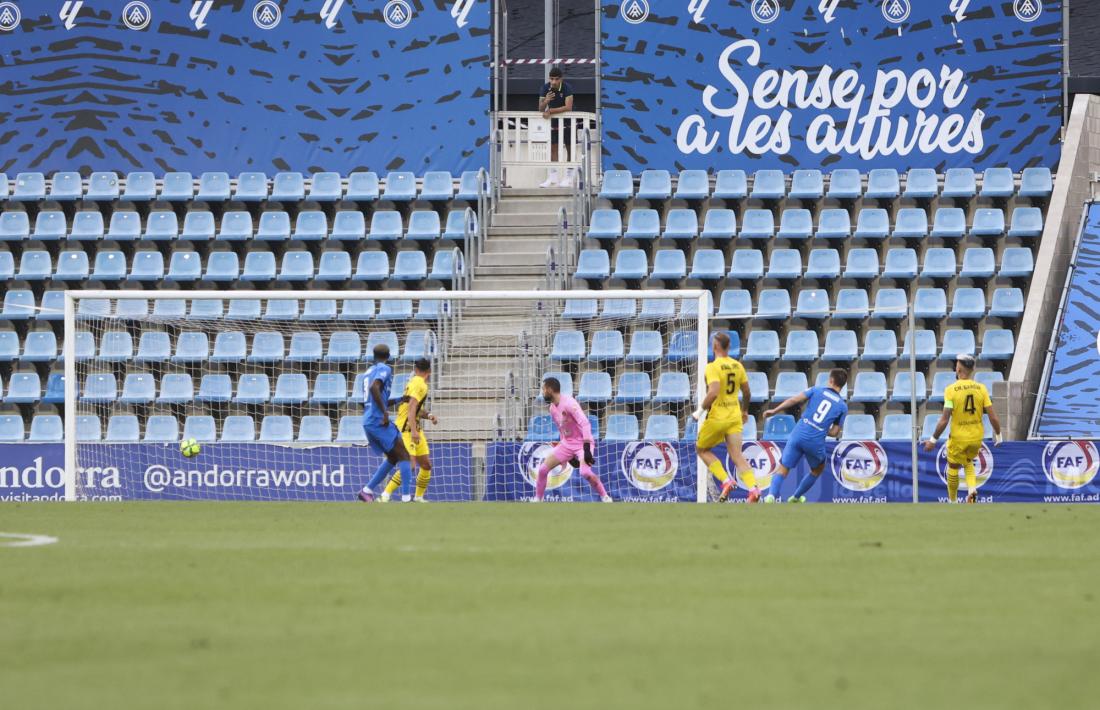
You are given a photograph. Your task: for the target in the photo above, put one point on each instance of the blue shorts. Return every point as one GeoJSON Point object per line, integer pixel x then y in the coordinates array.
{"type": "Point", "coordinates": [382, 438]}
{"type": "Point", "coordinates": [812, 450]}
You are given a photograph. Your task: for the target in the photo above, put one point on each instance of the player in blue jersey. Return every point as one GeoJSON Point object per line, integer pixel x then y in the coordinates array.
{"type": "Point", "coordinates": [382, 434]}
{"type": "Point", "coordinates": [824, 415]}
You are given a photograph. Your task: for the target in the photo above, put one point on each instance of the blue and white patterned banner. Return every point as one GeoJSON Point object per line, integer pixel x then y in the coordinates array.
{"type": "Point", "coordinates": [831, 83]}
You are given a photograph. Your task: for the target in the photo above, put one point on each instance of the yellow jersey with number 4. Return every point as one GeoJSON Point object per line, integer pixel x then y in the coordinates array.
{"type": "Point", "coordinates": [967, 401]}
{"type": "Point", "coordinates": [730, 375]}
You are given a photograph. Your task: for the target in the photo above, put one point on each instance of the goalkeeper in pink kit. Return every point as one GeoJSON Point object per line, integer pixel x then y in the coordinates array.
{"type": "Point", "coordinates": [576, 445]}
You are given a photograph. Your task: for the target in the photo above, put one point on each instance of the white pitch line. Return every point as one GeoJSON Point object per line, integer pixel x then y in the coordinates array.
{"type": "Point", "coordinates": [24, 540]}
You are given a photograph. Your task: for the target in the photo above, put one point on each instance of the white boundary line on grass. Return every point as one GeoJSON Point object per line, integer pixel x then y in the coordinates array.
{"type": "Point", "coordinates": [25, 540]}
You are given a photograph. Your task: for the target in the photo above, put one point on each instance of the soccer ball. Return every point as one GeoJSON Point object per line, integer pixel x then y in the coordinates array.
{"type": "Point", "coordinates": [190, 447]}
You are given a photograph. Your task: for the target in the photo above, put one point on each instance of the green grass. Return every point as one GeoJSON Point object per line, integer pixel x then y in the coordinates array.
{"type": "Point", "coordinates": [193, 605]}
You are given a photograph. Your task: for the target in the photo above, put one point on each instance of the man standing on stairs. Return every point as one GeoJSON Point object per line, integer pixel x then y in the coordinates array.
{"type": "Point", "coordinates": [557, 97]}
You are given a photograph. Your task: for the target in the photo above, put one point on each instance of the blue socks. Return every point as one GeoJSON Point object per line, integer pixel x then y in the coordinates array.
{"type": "Point", "coordinates": [805, 485]}
{"type": "Point", "coordinates": [406, 478]}
{"type": "Point", "coordinates": [385, 469]}
{"type": "Point", "coordinates": [777, 483]}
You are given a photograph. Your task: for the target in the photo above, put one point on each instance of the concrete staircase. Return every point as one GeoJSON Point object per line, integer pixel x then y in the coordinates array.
{"type": "Point", "coordinates": [515, 251]}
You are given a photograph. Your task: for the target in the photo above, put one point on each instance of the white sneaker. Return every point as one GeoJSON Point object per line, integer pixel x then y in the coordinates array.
{"type": "Point", "coordinates": [567, 179]}
{"type": "Point", "coordinates": [406, 499]}
{"type": "Point", "coordinates": [606, 499]}
{"type": "Point", "coordinates": [419, 499]}
{"type": "Point", "coordinates": [551, 178]}
{"type": "Point", "coordinates": [384, 498]}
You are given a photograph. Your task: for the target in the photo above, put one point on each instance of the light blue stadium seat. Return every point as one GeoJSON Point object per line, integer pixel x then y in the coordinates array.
{"type": "Point", "coordinates": [813, 304]}
{"type": "Point", "coordinates": [253, 389]}
{"type": "Point", "coordinates": [221, 267]}
{"type": "Point", "coordinates": [762, 346]}
{"type": "Point", "coordinates": [49, 427]}
{"type": "Point", "coordinates": [606, 224]}
{"type": "Point", "coordinates": [897, 427]}
{"type": "Point", "coordinates": [140, 187]}
{"type": "Point", "coordinates": [735, 303]}
{"type": "Point", "coordinates": [50, 226]}
{"type": "Point", "coordinates": [930, 303]}
{"type": "Point", "coordinates": [669, 265]}
{"type": "Point", "coordinates": [259, 266]}
{"type": "Point", "coordinates": [643, 224]}
{"type": "Point", "coordinates": [1027, 223]}
{"type": "Point", "coordinates": [207, 309]}
{"type": "Point", "coordinates": [957, 342]}
{"type": "Point", "coordinates": [185, 266]}
{"type": "Point", "coordinates": [238, 428]}
{"type": "Point", "coordinates": [883, 184]}
{"type": "Point", "coordinates": [468, 186]}
{"type": "Point", "coordinates": [903, 387]}
{"type": "Point", "coordinates": [423, 226]}
{"type": "Point", "coordinates": [385, 226]}
{"type": "Point", "coordinates": [880, 345]}
{"type": "Point", "coordinates": [774, 304]}
{"type": "Point", "coordinates": [123, 428]}
{"type": "Point", "coordinates": [277, 429]}
{"type": "Point", "coordinates": [662, 427]}
{"type": "Point", "coordinates": [213, 187]}
{"type": "Point", "coordinates": [14, 227]}
{"type": "Point", "coordinates": [683, 346]}
{"type": "Point", "coordinates": [36, 265]}
{"type": "Point", "coordinates": [87, 226]}
{"type": "Point", "coordinates": [802, 346]}
{"type": "Point", "coordinates": [758, 224]}
{"type": "Point", "coordinates": [926, 346]}
{"type": "Point", "coordinates": [243, 309]}
{"type": "Point", "coordinates": [672, 388]}
{"type": "Point", "coordinates": [350, 430]}
{"type": "Point", "coordinates": [869, 387]}
{"type": "Point", "coordinates": [708, 265]}
{"type": "Point", "coordinates": [939, 263]}
{"type": "Point", "coordinates": [1017, 262]}
{"type": "Point", "coordinates": [989, 222]}
{"type": "Point", "coordinates": [997, 345]}
{"type": "Point", "coordinates": [796, 224]}
{"type": "Point", "coordinates": [758, 387]}
{"type": "Point", "coordinates": [251, 187]}
{"type": "Point", "coordinates": [116, 346]}
{"type": "Point", "coordinates": [568, 346]}
{"type": "Point", "coordinates": [989, 379]}
{"type": "Point", "coordinates": [176, 388]}
{"type": "Point", "coordinates": [911, 223]}
{"type": "Point", "coordinates": [29, 187]}
{"type": "Point", "coordinates": [325, 187]}
{"type": "Point", "coordinates": [334, 266]}
{"type": "Point", "coordinates": [24, 388]}
{"type": "Point", "coordinates": [949, 223]}
{"type": "Point", "coordinates": [125, 226]}
{"type": "Point", "coordinates": [872, 223]}
{"type": "Point", "coordinates": [94, 307]}
{"type": "Point", "coordinates": [594, 388]}
{"type": "Point", "coordinates": [851, 304]}
{"type": "Point", "coordinates": [823, 264]}
{"type": "Point", "coordinates": [617, 185]}
{"type": "Point", "coordinates": [410, 266]}
{"type": "Point", "coordinates": [71, 266]}
{"type": "Point", "coordinates": [191, 347]}
{"type": "Point", "coordinates": [288, 187]}
{"type": "Point", "coordinates": [862, 263]}
{"type": "Point", "coordinates": [153, 346]}
{"type": "Point", "coordinates": [807, 185]}
{"type": "Point", "coordinates": [840, 346]}
{"type": "Point", "coordinates": [731, 185]}
{"type": "Point", "coordinates": [921, 184]}
{"type": "Point", "coordinates": [267, 347]}
{"type": "Point", "coordinates": [349, 226]}
{"type": "Point", "coordinates": [419, 344]}
{"type": "Point", "coordinates": [1007, 303]}
{"type": "Point", "coordinates": [162, 226]}
{"type": "Point", "coordinates": [845, 184]}
{"type": "Point", "coordinates": [315, 429]}
{"type": "Point", "coordinates": [960, 183]}
{"type": "Point", "coordinates": [654, 185]}
{"type": "Point", "coordinates": [372, 266]}
{"type": "Point", "coordinates": [769, 185]}
{"type": "Point", "coordinates": [901, 264]}
{"type": "Point", "coordinates": [940, 381]}
{"type": "Point", "coordinates": [998, 183]}
{"type": "Point", "coordinates": [542, 428]}
{"type": "Point", "coordinates": [66, 186]}
{"type": "Point", "coordinates": [563, 378]}
{"type": "Point", "coordinates": [834, 224]}
{"type": "Point", "coordinates": [978, 263]}
{"type": "Point", "coordinates": [968, 303]}
{"type": "Point", "coordinates": [719, 224]}
{"type": "Point", "coordinates": [198, 226]}
{"type": "Point", "coordinates": [580, 309]}
{"type": "Point", "coordinates": [383, 337]}
{"type": "Point", "coordinates": [305, 347]}
{"type": "Point", "coordinates": [274, 227]}
{"type": "Point", "coordinates": [607, 346]}
{"type": "Point", "coordinates": [7, 266]}
{"type": "Point", "coordinates": [593, 265]}
{"type": "Point", "coordinates": [631, 265]}
{"type": "Point", "coordinates": [53, 306]}
{"type": "Point", "coordinates": [399, 310]}
{"type": "Point", "coordinates": [46, 428]}
{"type": "Point", "coordinates": [40, 346]}
{"type": "Point", "coordinates": [457, 225]}
{"type": "Point", "coordinates": [692, 185]}
{"type": "Point", "coordinates": [343, 346]}
{"type": "Point", "coordinates": [1036, 183]}
{"type": "Point", "coordinates": [215, 389]}
{"type": "Point", "coordinates": [645, 346]}
{"type": "Point", "coordinates": [400, 186]}
{"type": "Point", "coordinates": [655, 309]}
{"type": "Point", "coordinates": [858, 427]}
{"type": "Point", "coordinates": [619, 427]}
{"type": "Point", "coordinates": [747, 265]}
{"type": "Point", "coordinates": [9, 345]}
{"type": "Point", "coordinates": [779, 428]}
{"type": "Point", "coordinates": [290, 388]}
{"type": "Point", "coordinates": [315, 309]}
{"type": "Point", "coordinates": [362, 187]}
{"type": "Point", "coordinates": [681, 224]}
{"type": "Point", "coordinates": [311, 226]}
{"type": "Point", "coordinates": [161, 428]}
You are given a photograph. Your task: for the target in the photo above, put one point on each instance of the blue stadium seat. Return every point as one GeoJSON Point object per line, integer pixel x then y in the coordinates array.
{"type": "Point", "coordinates": [720, 224]}
{"type": "Point", "coordinates": [334, 266]}
{"type": "Point", "coordinates": [758, 224]}
{"type": "Point", "coordinates": [1036, 183]}
{"type": "Point", "coordinates": [47, 428]}
{"type": "Point", "coordinates": [277, 429]}
{"type": "Point", "coordinates": [253, 389]}
{"type": "Point", "coordinates": [773, 304]}
{"type": "Point", "coordinates": [673, 388]}
{"type": "Point", "coordinates": [939, 263]}
{"type": "Point", "coordinates": [311, 226]}
{"type": "Point", "coordinates": [419, 344]}
{"type": "Point", "coordinates": [762, 346]}
{"type": "Point", "coordinates": [594, 388]}
{"type": "Point", "coordinates": [349, 226]}
{"type": "Point", "coordinates": [998, 183]}
{"type": "Point", "coordinates": [901, 264]}
{"type": "Point", "coordinates": [457, 224]}
{"type": "Point", "coordinates": [655, 309]}
{"type": "Point", "coordinates": [87, 226]}
{"type": "Point", "coordinates": [410, 266]}
{"type": "Point", "coordinates": [319, 309]}
{"type": "Point", "coordinates": [243, 309]}
{"type": "Point", "coordinates": [290, 388]}
{"type": "Point", "coordinates": [343, 346]}
{"type": "Point", "coordinates": [14, 227]}
{"type": "Point", "coordinates": [251, 187]}
{"type": "Point", "coordinates": [116, 346]}
{"type": "Point", "coordinates": [123, 428]}
{"type": "Point", "coordinates": [645, 346]}
{"type": "Point", "coordinates": [564, 379]}
{"type": "Point", "coordinates": [851, 304]}
{"type": "Point", "coordinates": [71, 266]}
{"type": "Point", "coordinates": [940, 381]}
{"type": "Point", "coordinates": [29, 187]}
{"type": "Point", "coordinates": [683, 346]}
{"type": "Point", "coordinates": [125, 226]}
{"type": "Point", "coordinates": [198, 226]}
{"type": "Point", "coordinates": [259, 266]}
{"type": "Point", "coordinates": [619, 427]}
{"type": "Point", "coordinates": [161, 226]}
{"type": "Point", "coordinates": [185, 266]}
{"type": "Point", "coordinates": [161, 428]}
{"type": "Point", "coordinates": [94, 307]}
{"type": "Point", "coordinates": [325, 187]}
{"type": "Point", "coordinates": [823, 264]}
{"type": "Point", "coordinates": [267, 347]}
{"type": "Point", "coordinates": [207, 309]}
{"type": "Point", "coordinates": [315, 429]}
{"type": "Point", "coordinates": [372, 266]}
{"type": "Point", "coordinates": [568, 346]}
{"type": "Point", "coordinates": [49, 226]}
{"type": "Point", "coordinates": [769, 185]}
{"type": "Point", "coordinates": [643, 224]}
{"type": "Point", "coordinates": [52, 306]}
{"type": "Point", "coordinates": [305, 347]}
{"type": "Point", "coordinates": [897, 427]}
{"type": "Point", "coordinates": [438, 186]}
{"type": "Point", "coordinates": [957, 342]}
{"type": "Point", "coordinates": [911, 223]}
{"type": "Point", "coordinates": [593, 265]}
{"type": "Point", "coordinates": [288, 187]}
{"type": "Point", "coordinates": [617, 185]}
{"type": "Point", "coordinates": [423, 226]}
{"type": "Point", "coordinates": [978, 263]}
{"type": "Point", "coordinates": [735, 303]}
{"type": "Point", "coordinates": [606, 224]}
{"type": "Point", "coordinates": [191, 347]}
{"type": "Point", "coordinates": [949, 223]}
{"type": "Point", "coordinates": [796, 224]}
{"type": "Point", "coordinates": [215, 389]}
{"type": "Point", "coordinates": [1017, 262]}
{"type": "Point", "coordinates": [858, 427]}
{"type": "Point", "coordinates": [395, 309]}
{"type": "Point", "coordinates": [903, 387]}
{"type": "Point", "coordinates": [988, 379]}
{"type": "Point", "coordinates": [862, 263]}
{"type": "Point", "coordinates": [469, 187]}
{"type": "Point", "coordinates": [681, 224]}
{"type": "Point", "coordinates": [607, 346]}
{"type": "Point", "coordinates": [708, 265]}
{"type": "Point", "coordinates": [926, 346]}
{"type": "Point", "coordinates": [580, 308]}
{"type": "Point", "coordinates": [631, 265]}
{"type": "Point", "coordinates": [153, 346]}
{"type": "Point", "coordinates": [692, 185]}
{"type": "Point", "coordinates": [834, 224]}
{"type": "Point", "coordinates": [930, 303]}
{"type": "Point", "coordinates": [221, 267]}
{"type": "Point", "coordinates": [654, 185]}
{"type": "Point", "coordinates": [66, 186]}
{"type": "Point", "coordinates": [747, 265]}
{"type": "Point", "coordinates": [273, 227]}
{"type": "Point", "coordinates": [779, 428]}
{"type": "Point", "coordinates": [542, 428]}
{"type": "Point", "coordinates": [140, 187]}
{"type": "Point", "coordinates": [813, 304]}
{"type": "Point", "coordinates": [869, 387]}
{"type": "Point", "coordinates": [807, 185]}
{"type": "Point", "coordinates": [9, 345]}
{"type": "Point", "coordinates": [883, 184]}
{"type": "Point", "coordinates": [662, 427]}
{"type": "Point", "coordinates": [350, 430]}
{"type": "Point", "coordinates": [845, 184]}
{"type": "Point", "coordinates": [968, 303]}
{"type": "Point", "coordinates": [758, 387]}
{"type": "Point", "coordinates": [362, 187]}
{"type": "Point", "coordinates": [24, 388]}
{"type": "Point", "coordinates": [238, 428]}
{"type": "Point", "coordinates": [400, 186]}
{"type": "Point", "coordinates": [669, 265]}
{"type": "Point", "coordinates": [960, 183]}
{"type": "Point", "coordinates": [802, 346]}
{"type": "Point", "coordinates": [921, 184]}
{"type": "Point", "coordinates": [880, 346]}
{"type": "Point", "coordinates": [997, 345]}
{"type": "Point", "coordinates": [385, 226]}
{"type": "Point", "coordinates": [35, 265]}
{"type": "Point", "coordinates": [748, 431]}
{"type": "Point", "coordinates": [213, 187]}
{"type": "Point", "coordinates": [40, 346]}
{"type": "Point", "coordinates": [872, 223]}
{"type": "Point", "coordinates": [840, 346]}
{"type": "Point", "coordinates": [7, 266]}
{"type": "Point", "coordinates": [1027, 223]}
{"type": "Point", "coordinates": [989, 222]}
{"type": "Point", "coordinates": [1007, 303]}
{"type": "Point", "coordinates": [176, 388]}
{"type": "Point", "coordinates": [731, 185]}
{"type": "Point", "coordinates": [55, 389]}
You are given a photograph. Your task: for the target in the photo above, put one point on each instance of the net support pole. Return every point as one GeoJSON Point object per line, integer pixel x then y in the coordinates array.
{"type": "Point", "coordinates": [69, 354]}
{"type": "Point", "coordinates": [701, 472]}
{"type": "Point", "coordinates": [913, 393]}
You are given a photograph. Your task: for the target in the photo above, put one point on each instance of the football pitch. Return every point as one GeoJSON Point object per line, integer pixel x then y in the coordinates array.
{"type": "Point", "coordinates": [265, 605]}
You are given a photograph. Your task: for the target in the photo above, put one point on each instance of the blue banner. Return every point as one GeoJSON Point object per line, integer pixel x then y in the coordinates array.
{"type": "Point", "coordinates": [826, 84]}
{"type": "Point", "coordinates": [239, 85]}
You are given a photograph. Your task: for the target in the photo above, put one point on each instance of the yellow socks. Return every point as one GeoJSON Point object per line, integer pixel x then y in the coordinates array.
{"type": "Point", "coordinates": [953, 483]}
{"type": "Point", "coordinates": [422, 479]}
{"type": "Point", "coordinates": [718, 471]}
{"type": "Point", "coordinates": [394, 484]}
{"type": "Point", "coordinates": [971, 477]}
{"type": "Point", "coordinates": [748, 478]}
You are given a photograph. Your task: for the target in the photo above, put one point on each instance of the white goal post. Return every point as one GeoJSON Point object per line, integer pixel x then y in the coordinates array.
{"type": "Point", "coordinates": [264, 380]}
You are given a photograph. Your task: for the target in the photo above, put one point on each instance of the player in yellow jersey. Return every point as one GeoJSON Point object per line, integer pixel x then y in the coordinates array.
{"type": "Point", "coordinates": [964, 403]}
{"type": "Point", "coordinates": [725, 379]}
{"type": "Point", "coordinates": [409, 414]}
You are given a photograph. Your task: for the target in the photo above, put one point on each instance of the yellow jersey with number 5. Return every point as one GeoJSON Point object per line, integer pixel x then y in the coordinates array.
{"type": "Point", "coordinates": [967, 401]}
{"type": "Point", "coordinates": [730, 375]}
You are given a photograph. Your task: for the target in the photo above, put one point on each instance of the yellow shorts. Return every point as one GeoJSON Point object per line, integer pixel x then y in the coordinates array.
{"type": "Point", "coordinates": [714, 431]}
{"type": "Point", "coordinates": [960, 453]}
{"type": "Point", "coordinates": [414, 450]}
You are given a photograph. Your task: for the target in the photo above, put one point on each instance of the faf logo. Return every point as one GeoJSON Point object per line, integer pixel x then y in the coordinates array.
{"type": "Point", "coordinates": [136, 15]}
{"type": "Point", "coordinates": [1071, 464]}
{"type": "Point", "coordinates": [765, 11]}
{"type": "Point", "coordinates": [397, 14]}
{"type": "Point", "coordinates": [650, 465]}
{"type": "Point", "coordinates": [859, 465]}
{"type": "Point", "coordinates": [531, 456]}
{"type": "Point", "coordinates": [199, 10]}
{"type": "Point", "coordinates": [9, 16]}
{"type": "Point", "coordinates": [68, 13]}
{"type": "Point", "coordinates": [983, 465]}
{"type": "Point", "coordinates": [1027, 10]}
{"type": "Point", "coordinates": [764, 457]}
{"type": "Point", "coordinates": [267, 15]}
{"type": "Point", "coordinates": [634, 11]}
{"type": "Point", "coordinates": [896, 11]}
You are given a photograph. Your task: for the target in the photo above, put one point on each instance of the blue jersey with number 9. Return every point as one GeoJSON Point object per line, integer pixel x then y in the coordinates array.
{"type": "Point", "coordinates": [824, 409]}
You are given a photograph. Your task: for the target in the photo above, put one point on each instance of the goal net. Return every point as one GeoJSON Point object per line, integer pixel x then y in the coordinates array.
{"type": "Point", "coordinates": [271, 386]}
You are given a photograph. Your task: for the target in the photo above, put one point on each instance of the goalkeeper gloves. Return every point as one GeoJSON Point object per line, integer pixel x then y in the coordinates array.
{"type": "Point", "coordinates": [588, 457]}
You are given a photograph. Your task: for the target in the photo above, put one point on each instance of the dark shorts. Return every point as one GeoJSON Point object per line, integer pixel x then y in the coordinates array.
{"type": "Point", "coordinates": [566, 133]}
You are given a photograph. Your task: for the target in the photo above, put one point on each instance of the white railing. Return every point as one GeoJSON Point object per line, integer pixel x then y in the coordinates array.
{"type": "Point", "coordinates": [524, 143]}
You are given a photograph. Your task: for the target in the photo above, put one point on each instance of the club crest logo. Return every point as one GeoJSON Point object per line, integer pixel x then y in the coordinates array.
{"type": "Point", "coordinates": [983, 465]}
{"type": "Point", "coordinates": [859, 465]}
{"type": "Point", "coordinates": [650, 465]}
{"type": "Point", "coordinates": [1027, 10]}
{"type": "Point", "coordinates": [763, 456]}
{"type": "Point", "coordinates": [397, 14]}
{"type": "Point", "coordinates": [199, 10]}
{"type": "Point", "coordinates": [896, 11]}
{"type": "Point", "coordinates": [136, 15]}
{"type": "Point", "coordinates": [634, 11]}
{"type": "Point", "coordinates": [531, 456]}
{"type": "Point", "coordinates": [1071, 464]}
{"type": "Point", "coordinates": [267, 15]}
{"type": "Point", "coordinates": [765, 11]}
{"type": "Point", "coordinates": [9, 16]}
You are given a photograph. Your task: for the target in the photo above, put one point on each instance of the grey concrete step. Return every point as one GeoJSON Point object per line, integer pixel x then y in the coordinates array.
{"type": "Point", "coordinates": [495, 282]}
{"type": "Point", "coordinates": [485, 271]}
{"type": "Point", "coordinates": [561, 193]}
{"type": "Point", "coordinates": [525, 219]}
{"type": "Point", "coordinates": [513, 258]}
{"type": "Point", "coordinates": [523, 231]}
{"type": "Point", "coordinates": [510, 245]}
{"type": "Point", "coordinates": [545, 205]}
